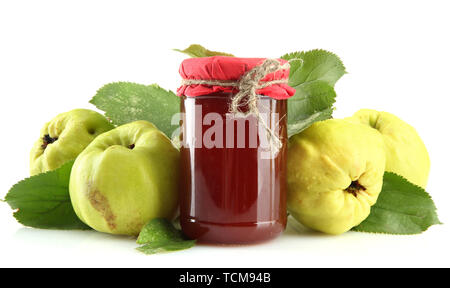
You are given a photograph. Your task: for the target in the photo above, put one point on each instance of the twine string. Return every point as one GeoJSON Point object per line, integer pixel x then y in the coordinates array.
{"type": "Point", "coordinates": [247, 85]}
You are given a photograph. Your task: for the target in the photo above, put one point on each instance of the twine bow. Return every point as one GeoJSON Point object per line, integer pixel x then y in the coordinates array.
{"type": "Point", "coordinates": [247, 85]}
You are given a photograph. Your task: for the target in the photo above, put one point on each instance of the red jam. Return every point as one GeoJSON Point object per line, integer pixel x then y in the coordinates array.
{"type": "Point", "coordinates": [230, 193]}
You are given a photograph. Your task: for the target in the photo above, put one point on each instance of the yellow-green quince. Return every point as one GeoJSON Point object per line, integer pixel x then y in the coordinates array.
{"type": "Point", "coordinates": [335, 174]}
{"type": "Point", "coordinates": [406, 153]}
{"type": "Point", "coordinates": [65, 137]}
{"type": "Point", "coordinates": [125, 178]}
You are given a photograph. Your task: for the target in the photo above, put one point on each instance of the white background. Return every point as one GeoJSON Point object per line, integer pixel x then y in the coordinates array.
{"type": "Point", "coordinates": [54, 55]}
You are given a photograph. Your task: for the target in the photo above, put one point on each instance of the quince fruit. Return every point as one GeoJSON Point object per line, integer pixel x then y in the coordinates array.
{"type": "Point", "coordinates": [125, 178]}
{"type": "Point", "coordinates": [335, 174]}
{"type": "Point", "coordinates": [406, 154]}
{"type": "Point", "coordinates": [64, 137]}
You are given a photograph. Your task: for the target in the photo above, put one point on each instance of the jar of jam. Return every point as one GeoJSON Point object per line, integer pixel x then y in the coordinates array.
{"type": "Point", "coordinates": [234, 145]}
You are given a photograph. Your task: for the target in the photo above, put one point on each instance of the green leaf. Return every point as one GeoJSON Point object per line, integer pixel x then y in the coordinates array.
{"type": "Point", "coordinates": [314, 65]}
{"type": "Point", "coordinates": [402, 208]}
{"type": "Point", "coordinates": [312, 102]}
{"type": "Point", "coordinates": [125, 102]}
{"type": "Point", "coordinates": [159, 235]}
{"type": "Point", "coordinates": [159, 230]}
{"type": "Point", "coordinates": [313, 75]}
{"type": "Point", "coordinates": [196, 50]}
{"type": "Point", "coordinates": [43, 201]}
{"type": "Point", "coordinates": [166, 246]}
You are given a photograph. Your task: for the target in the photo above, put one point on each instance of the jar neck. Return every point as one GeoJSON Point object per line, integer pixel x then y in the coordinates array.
{"type": "Point", "coordinates": [223, 95]}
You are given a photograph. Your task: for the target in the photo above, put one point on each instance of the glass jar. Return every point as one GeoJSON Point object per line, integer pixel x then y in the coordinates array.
{"type": "Point", "coordinates": [233, 188]}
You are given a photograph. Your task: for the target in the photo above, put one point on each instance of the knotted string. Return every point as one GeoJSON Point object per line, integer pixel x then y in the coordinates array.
{"type": "Point", "coordinates": [247, 85]}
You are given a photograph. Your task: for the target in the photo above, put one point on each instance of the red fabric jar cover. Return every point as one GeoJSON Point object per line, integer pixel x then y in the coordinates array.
{"type": "Point", "coordinates": [224, 68]}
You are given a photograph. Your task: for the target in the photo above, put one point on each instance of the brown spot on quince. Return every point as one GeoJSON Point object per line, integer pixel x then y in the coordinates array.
{"type": "Point", "coordinates": [101, 204]}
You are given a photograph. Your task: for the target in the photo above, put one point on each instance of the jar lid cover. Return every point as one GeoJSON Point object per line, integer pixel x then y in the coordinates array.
{"type": "Point", "coordinates": [228, 69]}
